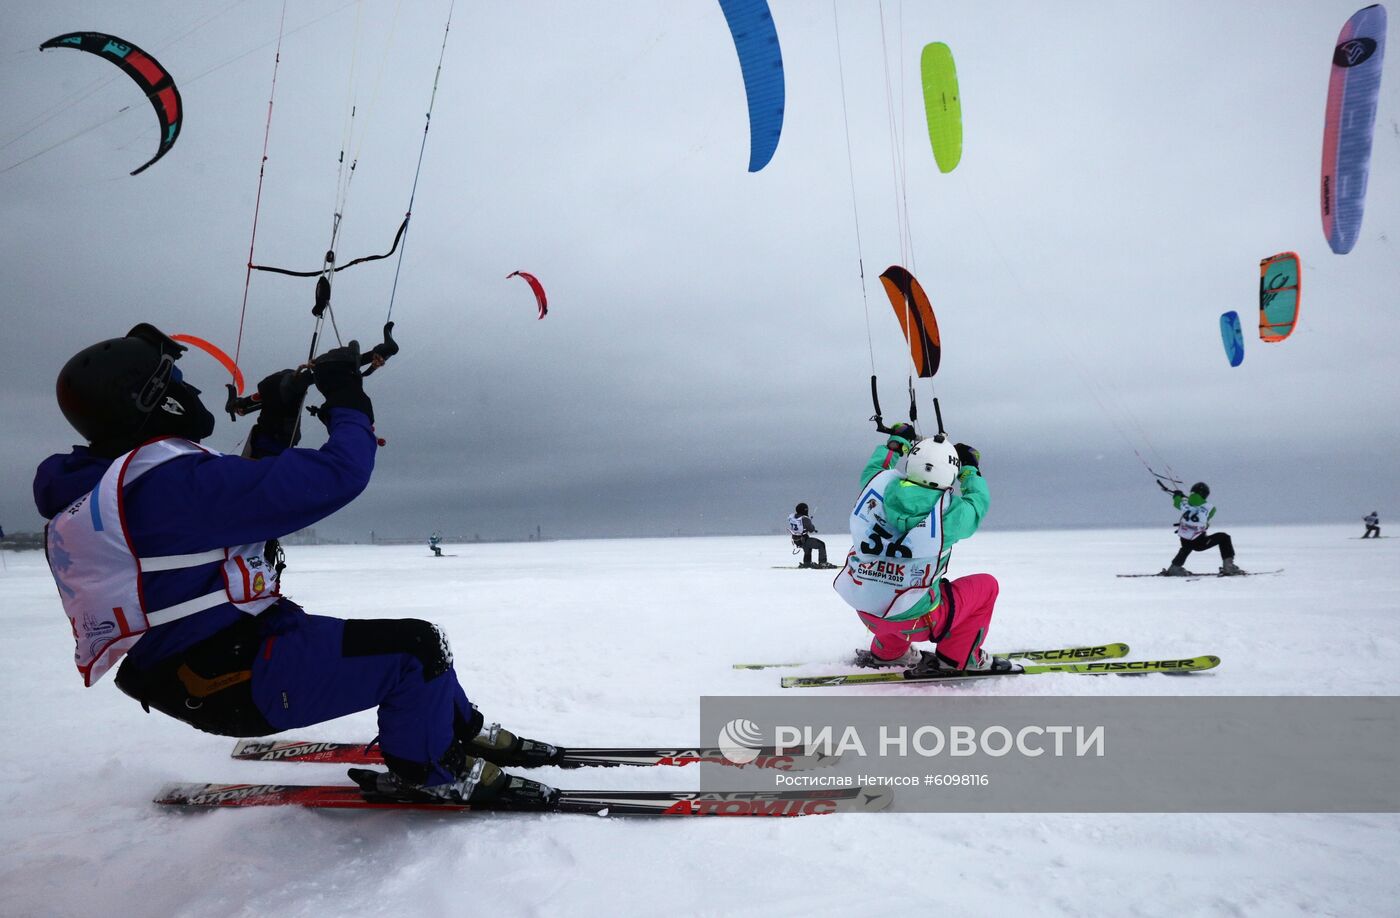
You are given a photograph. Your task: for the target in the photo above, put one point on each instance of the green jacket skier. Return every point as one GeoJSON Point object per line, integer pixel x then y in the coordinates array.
{"type": "Point", "coordinates": [1196, 514]}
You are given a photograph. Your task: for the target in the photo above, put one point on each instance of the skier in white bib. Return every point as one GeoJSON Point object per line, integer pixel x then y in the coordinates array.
{"type": "Point", "coordinates": [802, 530]}
{"type": "Point", "coordinates": [1373, 525]}
{"type": "Point", "coordinates": [1196, 512]}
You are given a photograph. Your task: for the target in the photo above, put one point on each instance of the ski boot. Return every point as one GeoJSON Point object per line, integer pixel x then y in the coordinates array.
{"type": "Point", "coordinates": [867, 659]}
{"type": "Point", "coordinates": [932, 664]}
{"type": "Point", "coordinates": [501, 747]}
{"type": "Point", "coordinates": [1176, 570]}
{"type": "Point", "coordinates": [1228, 568]}
{"type": "Point", "coordinates": [477, 782]}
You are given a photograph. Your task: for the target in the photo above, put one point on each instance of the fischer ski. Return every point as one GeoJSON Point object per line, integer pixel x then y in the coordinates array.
{"type": "Point", "coordinates": [1117, 667]}
{"type": "Point", "coordinates": [601, 803]}
{"type": "Point", "coordinates": [1057, 654]}
{"type": "Point", "coordinates": [294, 750]}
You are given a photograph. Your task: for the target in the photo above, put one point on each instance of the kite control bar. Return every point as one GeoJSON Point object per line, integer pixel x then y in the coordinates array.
{"type": "Point", "coordinates": [372, 359]}
{"type": "Point", "coordinates": [876, 417]}
{"type": "Point", "coordinates": [913, 409]}
{"type": "Point", "coordinates": [1163, 479]}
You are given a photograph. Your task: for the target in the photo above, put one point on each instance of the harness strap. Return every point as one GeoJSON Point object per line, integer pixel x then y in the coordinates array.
{"type": "Point", "coordinates": [188, 607]}
{"type": "Point", "coordinates": [175, 562]}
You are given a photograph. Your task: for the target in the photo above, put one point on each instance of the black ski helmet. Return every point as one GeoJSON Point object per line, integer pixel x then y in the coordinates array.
{"type": "Point", "coordinates": [122, 391]}
{"type": "Point", "coordinates": [1201, 488]}
{"type": "Point", "coordinates": [800, 510]}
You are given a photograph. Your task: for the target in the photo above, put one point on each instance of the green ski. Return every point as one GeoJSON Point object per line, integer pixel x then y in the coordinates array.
{"type": "Point", "coordinates": [1053, 655]}
{"type": "Point", "coordinates": [1117, 667]}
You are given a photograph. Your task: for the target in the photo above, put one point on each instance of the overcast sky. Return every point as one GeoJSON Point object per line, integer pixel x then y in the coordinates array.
{"type": "Point", "coordinates": [705, 362]}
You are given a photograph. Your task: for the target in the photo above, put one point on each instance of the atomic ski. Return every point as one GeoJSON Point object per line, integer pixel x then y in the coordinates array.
{"type": "Point", "coordinates": [600, 803]}
{"type": "Point", "coordinates": [294, 750]}
{"type": "Point", "coordinates": [1057, 654]}
{"type": "Point", "coordinates": [1119, 667]}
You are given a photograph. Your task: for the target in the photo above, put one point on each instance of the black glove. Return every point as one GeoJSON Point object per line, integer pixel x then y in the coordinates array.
{"type": "Point", "coordinates": [338, 377]}
{"type": "Point", "coordinates": [902, 437]}
{"type": "Point", "coordinates": [967, 456]}
{"type": "Point", "coordinates": [281, 395]}
{"type": "Point", "coordinates": [1178, 493]}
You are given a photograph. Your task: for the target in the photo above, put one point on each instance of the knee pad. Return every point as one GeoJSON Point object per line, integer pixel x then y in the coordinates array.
{"type": "Point", "coordinates": [422, 640]}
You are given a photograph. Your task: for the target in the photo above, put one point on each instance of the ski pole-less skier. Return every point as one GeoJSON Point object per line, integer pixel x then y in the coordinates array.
{"type": "Point", "coordinates": [165, 552]}
{"type": "Point", "coordinates": [1196, 512]}
{"type": "Point", "coordinates": [433, 541]}
{"type": "Point", "coordinates": [1373, 525]}
{"type": "Point", "coordinates": [903, 528]}
{"type": "Point", "coordinates": [802, 530]}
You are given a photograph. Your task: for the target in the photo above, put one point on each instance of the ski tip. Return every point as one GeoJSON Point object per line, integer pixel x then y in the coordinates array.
{"type": "Point", "coordinates": [872, 800]}
{"type": "Point", "coordinates": [186, 794]}
{"type": "Point", "coordinates": [176, 794]}
{"type": "Point", "coordinates": [1194, 665]}
{"type": "Point", "coordinates": [765, 665]}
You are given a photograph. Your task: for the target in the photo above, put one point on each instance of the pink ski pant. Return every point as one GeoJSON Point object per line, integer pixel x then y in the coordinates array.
{"type": "Point", "coordinates": [958, 626]}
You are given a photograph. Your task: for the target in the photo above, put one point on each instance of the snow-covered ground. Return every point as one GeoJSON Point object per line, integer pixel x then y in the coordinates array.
{"type": "Point", "coordinates": [614, 642]}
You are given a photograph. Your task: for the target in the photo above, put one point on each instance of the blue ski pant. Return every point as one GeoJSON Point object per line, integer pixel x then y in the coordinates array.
{"type": "Point", "coordinates": [314, 668]}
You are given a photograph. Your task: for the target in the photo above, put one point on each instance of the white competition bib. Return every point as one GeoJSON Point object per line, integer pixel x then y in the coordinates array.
{"type": "Point", "coordinates": [100, 579]}
{"type": "Point", "coordinates": [885, 573]}
{"type": "Point", "coordinates": [1194, 521]}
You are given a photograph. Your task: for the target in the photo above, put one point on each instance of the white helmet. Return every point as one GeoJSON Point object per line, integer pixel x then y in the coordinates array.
{"type": "Point", "coordinates": [933, 463]}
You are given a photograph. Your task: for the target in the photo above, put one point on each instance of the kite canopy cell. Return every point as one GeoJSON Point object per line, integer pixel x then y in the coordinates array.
{"type": "Point", "coordinates": [1280, 281]}
{"type": "Point", "coordinates": [153, 79]}
{"type": "Point", "coordinates": [942, 106]}
{"type": "Point", "coordinates": [916, 318]}
{"type": "Point", "coordinates": [1233, 337]}
{"type": "Point", "coordinates": [1351, 119]}
{"type": "Point", "coordinates": [761, 60]}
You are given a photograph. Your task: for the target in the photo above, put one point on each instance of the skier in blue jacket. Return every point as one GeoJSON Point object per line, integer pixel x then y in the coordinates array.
{"type": "Point", "coordinates": [165, 553]}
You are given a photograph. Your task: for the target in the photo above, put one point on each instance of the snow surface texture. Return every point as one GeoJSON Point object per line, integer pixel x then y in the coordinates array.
{"type": "Point", "coordinates": [613, 642]}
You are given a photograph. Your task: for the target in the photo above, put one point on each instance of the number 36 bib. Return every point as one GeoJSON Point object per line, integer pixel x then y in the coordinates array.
{"type": "Point", "coordinates": [887, 574]}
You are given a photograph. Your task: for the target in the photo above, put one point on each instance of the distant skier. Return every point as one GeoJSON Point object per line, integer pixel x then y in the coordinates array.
{"type": "Point", "coordinates": [801, 528]}
{"type": "Point", "coordinates": [1196, 512]}
{"type": "Point", "coordinates": [433, 541]}
{"type": "Point", "coordinates": [1373, 525]}
{"type": "Point", "coordinates": [902, 529]}
{"type": "Point", "coordinates": [166, 552]}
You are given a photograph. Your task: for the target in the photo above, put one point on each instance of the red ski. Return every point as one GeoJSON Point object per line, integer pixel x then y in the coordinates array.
{"type": "Point", "coordinates": [295, 750]}
{"type": "Point", "coordinates": [600, 803]}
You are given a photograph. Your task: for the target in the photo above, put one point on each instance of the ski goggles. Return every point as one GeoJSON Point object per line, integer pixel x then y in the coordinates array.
{"type": "Point", "coordinates": [165, 373]}
{"type": "Point", "coordinates": [153, 389]}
